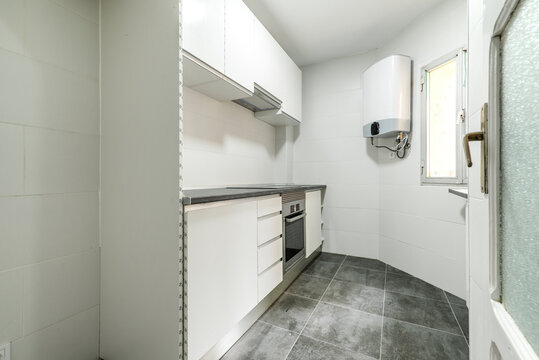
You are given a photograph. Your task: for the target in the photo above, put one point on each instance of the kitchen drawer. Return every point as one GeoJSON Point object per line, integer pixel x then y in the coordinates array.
{"type": "Point", "coordinates": [269, 228]}
{"type": "Point", "coordinates": [269, 253]}
{"type": "Point", "coordinates": [269, 279]}
{"type": "Point", "coordinates": [269, 206]}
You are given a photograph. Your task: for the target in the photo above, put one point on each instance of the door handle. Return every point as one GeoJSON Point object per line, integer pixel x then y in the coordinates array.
{"type": "Point", "coordinates": [473, 136]}
{"type": "Point", "coordinates": [483, 137]}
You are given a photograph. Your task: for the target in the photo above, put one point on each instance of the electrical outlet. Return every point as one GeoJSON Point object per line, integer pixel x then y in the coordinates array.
{"type": "Point", "coordinates": [5, 351]}
{"type": "Point", "coordinates": [391, 155]}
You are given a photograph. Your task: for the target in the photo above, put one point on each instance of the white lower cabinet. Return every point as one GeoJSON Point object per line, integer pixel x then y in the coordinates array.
{"type": "Point", "coordinates": [270, 241]}
{"type": "Point", "coordinates": [269, 254]}
{"type": "Point", "coordinates": [269, 279]}
{"type": "Point", "coordinates": [269, 206]}
{"type": "Point", "coordinates": [222, 271]}
{"type": "Point", "coordinates": [313, 221]}
{"type": "Point", "coordinates": [234, 252]}
{"type": "Point", "coordinates": [269, 228]}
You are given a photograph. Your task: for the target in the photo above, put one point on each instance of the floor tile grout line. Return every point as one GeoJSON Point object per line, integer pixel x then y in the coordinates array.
{"type": "Point", "coordinates": [307, 336]}
{"type": "Point", "coordinates": [363, 267]}
{"type": "Point", "coordinates": [426, 327]}
{"type": "Point", "coordinates": [316, 306]}
{"type": "Point", "coordinates": [317, 276]}
{"type": "Point", "coordinates": [452, 302]}
{"type": "Point", "coordinates": [416, 296]}
{"type": "Point", "coordinates": [349, 308]}
{"type": "Point", "coordinates": [278, 327]}
{"type": "Point", "coordinates": [457, 320]}
{"type": "Point", "coordinates": [331, 344]}
{"type": "Point", "coordinates": [301, 332]}
{"type": "Point", "coordinates": [301, 296]}
{"type": "Point", "coordinates": [383, 314]}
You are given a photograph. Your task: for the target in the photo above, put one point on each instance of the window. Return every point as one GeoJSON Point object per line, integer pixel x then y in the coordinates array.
{"type": "Point", "coordinates": [443, 86]}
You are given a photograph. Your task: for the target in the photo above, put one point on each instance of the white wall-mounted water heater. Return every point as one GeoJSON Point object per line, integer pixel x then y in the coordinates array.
{"type": "Point", "coordinates": [387, 97]}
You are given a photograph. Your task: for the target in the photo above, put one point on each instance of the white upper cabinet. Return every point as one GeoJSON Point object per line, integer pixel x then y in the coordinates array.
{"type": "Point", "coordinates": [204, 31]}
{"type": "Point", "coordinates": [228, 50]}
{"type": "Point", "coordinates": [291, 80]}
{"type": "Point", "coordinates": [277, 73]}
{"type": "Point", "coordinates": [239, 43]}
{"type": "Point", "coordinates": [267, 60]}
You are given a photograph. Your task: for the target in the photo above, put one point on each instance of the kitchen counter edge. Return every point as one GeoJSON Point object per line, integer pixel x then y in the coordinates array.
{"type": "Point", "coordinates": [201, 196]}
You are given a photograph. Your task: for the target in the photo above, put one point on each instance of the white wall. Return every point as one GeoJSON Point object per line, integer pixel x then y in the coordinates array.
{"type": "Point", "coordinates": [422, 228]}
{"type": "Point", "coordinates": [225, 144]}
{"type": "Point", "coordinates": [374, 206]}
{"type": "Point", "coordinates": [140, 215]}
{"type": "Point", "coordinates": [49, 160]}
{"type": "Point", "coordinates": [329, 149]}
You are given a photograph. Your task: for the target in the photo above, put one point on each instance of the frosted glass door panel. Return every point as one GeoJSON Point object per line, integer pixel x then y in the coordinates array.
{"type": "Point", "coordinates": [519, 179]}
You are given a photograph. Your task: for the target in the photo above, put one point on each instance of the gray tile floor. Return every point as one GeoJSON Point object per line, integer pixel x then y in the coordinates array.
{"type": "Point", "coordinates": [350, 308]}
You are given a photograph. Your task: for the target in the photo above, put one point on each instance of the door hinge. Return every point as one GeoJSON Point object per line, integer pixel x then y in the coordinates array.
{"type": "Point", "coordinates": [422, 83]}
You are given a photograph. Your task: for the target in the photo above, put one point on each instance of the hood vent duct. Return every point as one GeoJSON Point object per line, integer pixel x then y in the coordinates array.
{"type": "Point", "coordinates": [261, 100]}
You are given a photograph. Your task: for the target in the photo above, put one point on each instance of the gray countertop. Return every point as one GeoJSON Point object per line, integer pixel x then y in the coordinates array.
{"type": "Point", "coordinates": [200, 196]}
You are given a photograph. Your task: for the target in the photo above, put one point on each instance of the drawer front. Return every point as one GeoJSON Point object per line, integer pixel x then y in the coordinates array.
{"type": "Point", "coordinates": [269, 206]}
{"type": "Point", "coordinates": [270, 228]}
{"type": "Point", "coordinates": [269, 279]}
{"type": "Point", "coordinates": [269, 253]}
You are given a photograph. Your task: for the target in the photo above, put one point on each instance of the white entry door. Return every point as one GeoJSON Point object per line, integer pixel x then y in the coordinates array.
{"type": "Point", "coordinates": [503, 227]}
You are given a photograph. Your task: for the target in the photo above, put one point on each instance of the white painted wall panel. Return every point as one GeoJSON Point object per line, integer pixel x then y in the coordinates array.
{"type": "Point", "coordinates": [140, 180]}
{"type": "Point", "coordinates": [74, 338]}
{"type": "Point", "coordinates": [59, 289]}
{"type": "Point", "coordinates": [11, 305]}
{"type": "Point", "coordinates": [12, 158]}
{"type": "Point", "coordinates": [43, 95]}
{"type": "Point", "coordinates": [44, 227]}
{"type": "Point", "coordinates": [12, 25]}
{"type": "Point", "coordinates": [49, 151]}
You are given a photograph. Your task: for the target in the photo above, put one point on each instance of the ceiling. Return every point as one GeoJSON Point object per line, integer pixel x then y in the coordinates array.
{"type": "Point", "coordinates": [312, 31]}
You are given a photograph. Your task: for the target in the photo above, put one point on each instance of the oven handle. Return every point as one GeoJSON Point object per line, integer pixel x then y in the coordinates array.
{"type": "Point", "coordinates": [295, 218]}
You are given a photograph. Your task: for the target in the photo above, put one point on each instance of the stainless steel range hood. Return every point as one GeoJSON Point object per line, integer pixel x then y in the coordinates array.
{"type": "Point", "coordinates": [261, 100]}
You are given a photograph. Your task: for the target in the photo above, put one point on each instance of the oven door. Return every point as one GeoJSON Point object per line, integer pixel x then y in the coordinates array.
{"type": "Point", "coordinates": [294, 238]}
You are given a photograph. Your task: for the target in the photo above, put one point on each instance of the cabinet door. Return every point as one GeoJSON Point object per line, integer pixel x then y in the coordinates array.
{"type": "Point", "coordinates": [276, 72]}
{"type": "Point", "coordinates": [313, 221]}
{"type": "Point", "coordinates": [204, 31]}
{"type": "Point", "coordinates": [267, 60]}
{"type": "Point", "coordinates": [239, 43]}
{"type": "Point", "coordinates": [222, 269]}
{"type": "Point", "coordinates": [291, 90]}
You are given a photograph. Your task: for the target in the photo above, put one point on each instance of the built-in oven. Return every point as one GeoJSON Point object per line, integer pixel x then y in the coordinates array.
{"type": "Point", "coordinates": [293, 228]}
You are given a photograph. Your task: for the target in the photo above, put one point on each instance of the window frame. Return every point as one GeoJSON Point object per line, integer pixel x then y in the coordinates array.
{"type": "Point", "coordinates": [461, 177]}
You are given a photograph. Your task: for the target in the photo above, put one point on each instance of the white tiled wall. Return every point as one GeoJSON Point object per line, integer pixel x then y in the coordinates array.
{"type": "Point", "coordinates": [423, 227]}
{"type": "Point", "coordinates": [49, 155]}
{"type": "Point", "coordinates": [329, 149]}
{"type": "Point", "coordinates": [225, 144]}
{"type": "Point", "coordinates": [375, 206]}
